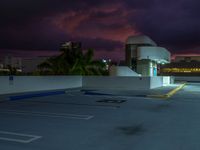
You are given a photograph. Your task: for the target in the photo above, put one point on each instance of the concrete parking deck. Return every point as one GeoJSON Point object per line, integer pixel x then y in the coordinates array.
{"type": "Point", "coordinates": [118, 120]}
{"type": "Point", "coordinates": [154, 93]}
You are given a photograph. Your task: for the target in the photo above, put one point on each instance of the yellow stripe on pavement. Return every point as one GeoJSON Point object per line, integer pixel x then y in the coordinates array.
{"type": "Point", "coordinates": [169, 94]}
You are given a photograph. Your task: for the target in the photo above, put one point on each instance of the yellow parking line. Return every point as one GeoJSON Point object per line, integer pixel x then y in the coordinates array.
{"type": "Point", "coordinates": [169, 94]}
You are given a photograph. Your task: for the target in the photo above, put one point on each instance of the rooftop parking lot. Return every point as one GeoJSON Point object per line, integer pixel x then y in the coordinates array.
{"type": "Point", "coordinates": [102, 120]}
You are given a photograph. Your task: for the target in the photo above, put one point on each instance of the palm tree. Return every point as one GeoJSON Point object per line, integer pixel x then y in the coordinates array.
{"type": "Point", "coordinates": [87, 66]}
{"type": "Point", "coordinates": [52, 66]}
{"type": "Point", "coordinates": [12, 70]}
{"type": "Point", "coordinates": [72, 61]}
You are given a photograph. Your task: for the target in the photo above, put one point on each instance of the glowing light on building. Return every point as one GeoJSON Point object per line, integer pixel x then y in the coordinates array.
{"type": "Point", "coordinates": [181, 70]}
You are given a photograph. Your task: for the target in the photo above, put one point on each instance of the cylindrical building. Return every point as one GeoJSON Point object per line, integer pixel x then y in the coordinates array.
{"type": "Point", "coordinates": [132, 44]}
{"type": "Point", "coordinates": [143, 55]}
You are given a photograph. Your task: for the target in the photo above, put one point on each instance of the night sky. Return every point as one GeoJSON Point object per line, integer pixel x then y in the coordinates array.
{"type": "Point", "coordinates": [37, 27]}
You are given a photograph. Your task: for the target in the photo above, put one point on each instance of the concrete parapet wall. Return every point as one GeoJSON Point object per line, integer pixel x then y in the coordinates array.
{"type": "Point", "coordinates": [38, 83]}
{"type": "Point", "coordinates": [123, 83]}
{"type": "Point", "coordinates": [122, 71]}
{"type": "Point", "coordinates": [21, 84]}
{"type": "Point", "coordinates": [156, 82]}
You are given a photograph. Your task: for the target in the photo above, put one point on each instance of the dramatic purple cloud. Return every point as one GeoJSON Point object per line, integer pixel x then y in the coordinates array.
{"type": "Point", "coordinates": [33, 25]}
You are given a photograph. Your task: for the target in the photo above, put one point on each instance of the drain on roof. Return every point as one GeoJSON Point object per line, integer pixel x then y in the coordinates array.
{"type": "Point", "coordinates": [111, 101]}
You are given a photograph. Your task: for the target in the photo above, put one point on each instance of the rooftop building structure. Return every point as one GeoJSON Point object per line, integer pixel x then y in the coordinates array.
{"type": "Point", "coordinates": [143, 55]}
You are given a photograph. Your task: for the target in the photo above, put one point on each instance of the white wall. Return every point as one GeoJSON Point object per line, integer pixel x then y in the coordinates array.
{"type": "Point", "coordinates": [156, 81]}
{"type": "Point", "coordinates": [42, 83]}
{"type": "Point", "coordinates": [122, 71]}
{"type": "Point", "coordinates": [123, 83]}
{"type": "Point", "coordinates": [38, 83]}
{"type": "Point", "coordinates": [167, 80]}
{"type": "Point", "coordinates": [153, 53]}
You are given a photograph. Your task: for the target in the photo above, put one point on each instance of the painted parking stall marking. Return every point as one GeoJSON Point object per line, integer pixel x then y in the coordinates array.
{"type": "Point", "coordinates": [18, 137]}
{"type": "Point", "coordinates": [48, 114]}
{"type": "Point", "coordinates": [111, 101]}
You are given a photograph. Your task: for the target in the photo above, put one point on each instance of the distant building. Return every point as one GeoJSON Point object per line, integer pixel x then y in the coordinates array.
{"type": "Point", "coordinates": [187, 59]}
{"type": "Point", "coordinates": [25, 65]}
{"type": "Point", "coordinates": [182, 66]}
{"type": "Point", "coordinates": [29, 65]}
{"type": "Point", "coordinates": [14, 62]}
{"type": "Point", "coordinates": [1, 64]}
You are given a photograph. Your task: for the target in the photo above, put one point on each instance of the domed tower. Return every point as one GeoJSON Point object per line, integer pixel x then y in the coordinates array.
{"type": "Point", "coordinates": [143, 55]}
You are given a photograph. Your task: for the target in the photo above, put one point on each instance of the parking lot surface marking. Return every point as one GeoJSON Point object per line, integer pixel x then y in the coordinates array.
{"type": "Point", "coordinates": [48, 114]}
{"type": "Point", "coordinates": [169, 94]}
{"type": "Point", "coordinates": [5, 136]}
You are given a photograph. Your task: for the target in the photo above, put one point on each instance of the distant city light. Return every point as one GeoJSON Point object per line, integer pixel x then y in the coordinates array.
{"type": "Point", "coordinates": [103, 60]}
{"type": "Point", "coordinates": [181, 70]}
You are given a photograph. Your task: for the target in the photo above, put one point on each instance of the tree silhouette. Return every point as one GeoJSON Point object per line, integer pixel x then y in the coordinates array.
{"type": "Point", "coordinates": [12, 70]}
{"type": "Point", "coordinates": [72, 61]}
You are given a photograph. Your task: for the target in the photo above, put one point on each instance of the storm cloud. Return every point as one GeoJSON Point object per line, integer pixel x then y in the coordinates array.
{"type": "Point", "coordinates": [101, 24]}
